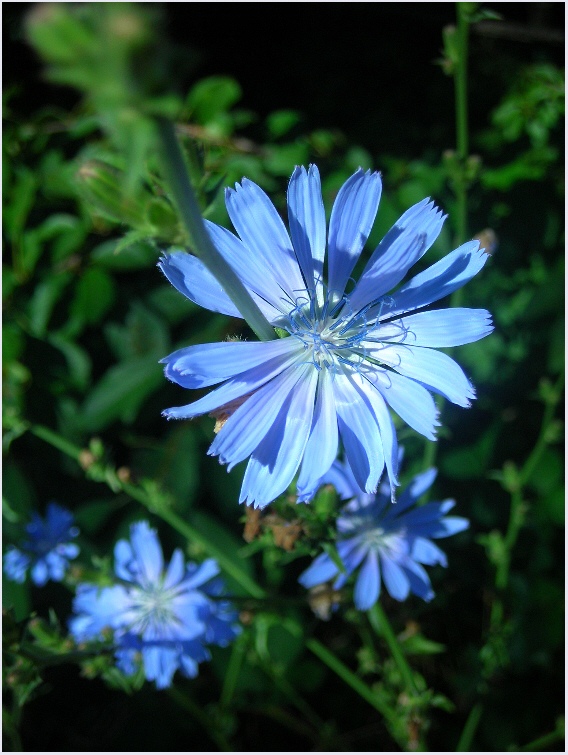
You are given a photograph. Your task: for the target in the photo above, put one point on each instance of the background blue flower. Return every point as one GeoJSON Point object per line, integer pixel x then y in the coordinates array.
{"type": "Point", "coordinates": [350, 354]}
{"type": "Point", "coordinates": [385, 541]}
{"type": "Point", "coordinates": [164, 615]}
{"type": "Point", "coordinates": [47, 551]}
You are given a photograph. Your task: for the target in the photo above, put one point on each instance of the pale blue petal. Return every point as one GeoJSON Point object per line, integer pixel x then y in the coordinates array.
{"type": "Point", "coordinates": [404, 244]}
{"type": "Point", "coordinates": [322, 570]}
{"type": "Point", "coordinates": [410, 400]}
{"type": "Point", "coordinates": [352, 551]}
{"type": "Point", "coordinates": [192, 279]}
{"type": "Point", "coordinates": [274, 463]}
{"type": "Point", "coordinates": [264, 234]}
{"type": "Point", "coordinates": [359, 432]}
{"type": "Point", "coordinates": [160, 665]}
{"type": "Point", "coordinates": [437, 328]}
{"type": "Point", "coordinates": [433, 369]}
{"type": "Point", "coordinates": [306, 216]}
{"type": "Point", "coordinates": [321, 448]}
{"type": "Point", "coordinates": [254, 271]}
{"type": "Point", "coordinates": [147, 551]}
{"type": "Point", "coordinates": [352, 218]}
{"type": "Point", "coordinates": [248, 425]}
{"type": "Point", "coordinates": [386, 428]}
{"type": "Point", "coordinates": [39, 573]}
{"type": "Point", "coordinates": [396, 581]}
{"type": "Point", "coordinates": [175, 570]}
{"type": "Point", "coordinates": [239, 386]}
{"type": "Point", "coordinates": [206, 571]}
{"type": "Point", "coordinates": [368, 585]}
{"type": "Point", "coordinates": [439, 280]}
{"type": "Point", "coordinates": [426, 552]}
{"type": "Point", "coordinates": [208, 363]}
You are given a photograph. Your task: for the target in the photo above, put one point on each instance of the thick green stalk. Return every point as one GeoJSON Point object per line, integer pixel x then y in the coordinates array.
{"type": "Point", "coordinates": [382, 627]}
{"type": "Point", "coordinates": [184, 196]}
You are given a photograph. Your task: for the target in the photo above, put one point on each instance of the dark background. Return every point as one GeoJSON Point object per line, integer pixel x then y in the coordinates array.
{"type": "Point", "coordinates": [369, 70]}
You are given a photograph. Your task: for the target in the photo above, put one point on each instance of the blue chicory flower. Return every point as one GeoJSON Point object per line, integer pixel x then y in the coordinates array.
{"type": "Point", "coordinates": [385, 541]}
{"type": "Point", "coordinates": [47, 551]}
{"type": "Point", "coordinates": [164, 616]}
{"type": "Point", "coordinates": [348, 355]}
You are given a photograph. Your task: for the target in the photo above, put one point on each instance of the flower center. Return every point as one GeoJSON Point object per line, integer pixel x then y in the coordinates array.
{"type": "Point", "coordinates": [153, 606]}
{"type": "Point", "coordinates": [331, 333]}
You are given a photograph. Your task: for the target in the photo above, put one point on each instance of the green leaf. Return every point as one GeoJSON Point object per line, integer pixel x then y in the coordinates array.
{"type": "Point", "coordinates": [120, 393]}
{"type": "Point", "coordinates": [211, 97]}
{"type": "Point", "coordinates": [137, 254]}
{"type": "Point", "coordinates": [417, 644]}
{"type": "Point", "coordinates": [94, 295]}
{"type": "Point", "coordinates": [43, 301]}
{"type": "Point", "coordinates": [281, 121]}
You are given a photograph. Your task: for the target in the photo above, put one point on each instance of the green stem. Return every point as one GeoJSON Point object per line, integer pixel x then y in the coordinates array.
{"type": "Point", "coordinates": [233, 671]}
{"type": "Point", "coordinates": [381, 625]}
{"type": "Point", "coordinates": [180, 186]}
{"type": "Point", "coordinates": [542, 742]}
{"type": "Point", "coordinates": [464, 744]}
{"type": "Point", "coordinates": [352, 680]}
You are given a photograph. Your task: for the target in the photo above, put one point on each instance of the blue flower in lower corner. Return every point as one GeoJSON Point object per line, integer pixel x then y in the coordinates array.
{"type": "Point", "coordinates": [47, 551]}
{"type": "Point", "coordinates": [163, 616]}
{"type": "Point", "coordinates": [385, 541]}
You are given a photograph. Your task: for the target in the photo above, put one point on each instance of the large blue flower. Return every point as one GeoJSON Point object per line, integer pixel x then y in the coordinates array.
{"type": "Point", "coordinates": [348, 355]}
{"type": "Point", "coordinates": [384, 540]}
{"type": "Point", "coordinates": [47, 551]}
{"type": "Point", "coordinates": [165, 616]}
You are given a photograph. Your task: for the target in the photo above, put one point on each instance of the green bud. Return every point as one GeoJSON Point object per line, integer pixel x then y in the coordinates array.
{"type": "Point", "coordinates": [101, 186]}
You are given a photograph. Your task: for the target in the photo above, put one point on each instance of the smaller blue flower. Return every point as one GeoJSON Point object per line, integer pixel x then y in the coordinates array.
{"type": "Point", "coordinates": [164, 616]}
{"type": "Point", "coordinates": [385, 541]}
{"type": "Point", "coordinates": [47, 551]}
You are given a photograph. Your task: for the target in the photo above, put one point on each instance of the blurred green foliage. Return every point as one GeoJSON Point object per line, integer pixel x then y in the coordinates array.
{"type": "Point", "coordinates": [87, 317]}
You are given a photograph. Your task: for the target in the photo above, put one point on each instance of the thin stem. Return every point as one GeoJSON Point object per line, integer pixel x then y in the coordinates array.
{"type": "Point", "coordinates": [233, 671]}
{"type": "Point", "coordinates": [352, 680]}
{"type": "Point", "coordinates": [381, 625]}
{"type": "Point", "coordinates": [182, 191]}
{"type": "Point", "coordinates": [464, 744]}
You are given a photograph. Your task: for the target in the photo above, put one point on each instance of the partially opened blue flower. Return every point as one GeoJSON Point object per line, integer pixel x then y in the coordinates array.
{"type": "Point", "coordinates": [384, 541]}
{"type": "Point", "coordinates": [162, 616]}
{"type": "Point", "coordinates": [349, 355]}
{"type": "Point", "coordinates": [47, 551]}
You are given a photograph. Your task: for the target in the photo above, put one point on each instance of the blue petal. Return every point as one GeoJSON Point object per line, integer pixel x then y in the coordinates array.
{"type": "Point", "coordinates": [433, 369]}
{"type": "Point", "coordinates": [206, 571]}
{"type": "Point", "coordinates": [254, 271]}
{"type": "Point", "coordinates": [396, 581]}
{"type": "Point", "coordinates": [16, 564]}
{"type": "Point", "coordinates": [260, 227]}
{"type": "Point", "coordinates": [175, 570]}
{"type": "Point", "coordinates": [160, 665]}
{"type": "Point", "coordinates": [306, 216]}
{"type": "Point", "coordinates": [321, 448]}
{"type": "Point", "coordinates": [208, 363]}
{"type": "Point", "coordinates": [425, 552]}
{"type": "Point", "coordinates": [192, 279]}
{"type": "Point", "coordinates": [368, 585]}
{"type": "Point", "coordinates": [352, 551]}
{"type": "Point", "coordinates": [239, 386]}
{"type": "Point", "coordinates": [419, 581]}
{"type": "Point", "coordinates": [352, 218]}
{"type": "Point", "coordinates": [438, 327]}
{"type": "Point", "coordinates": [274, 463]}
{"type": "Point", "coordinates": [322, 570]}
{"type": "Point", "coordinates": [439, 280]}
{"type": "Point", "coordinates": [147, 552]}
{"type": "Point", "coordinates": [249, 424]}
{"type": "Point", "coordinates": [40, 573]}
{"type": "Point", "coordinates": [404, 244]}
{"type": "Point", "coordinates": [417, 487]}
{"type": "Point", "coordinates": [410, 400]}
{"type": "Point", "coordinates": [359, 432]}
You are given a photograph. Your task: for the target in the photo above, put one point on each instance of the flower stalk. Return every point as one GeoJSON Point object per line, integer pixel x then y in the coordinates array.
{"type": "Point", "coordinates": [184, 196]}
